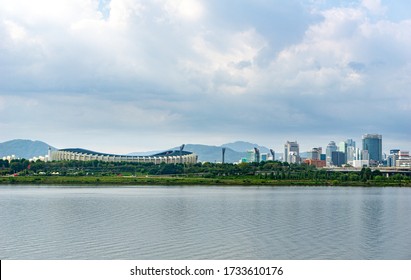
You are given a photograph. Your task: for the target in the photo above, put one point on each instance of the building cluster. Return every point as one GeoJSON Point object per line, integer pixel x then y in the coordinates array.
{"type": "Point", "coordinates": [255, 156]}
{"type": "Point", "coordinates": [344, 153]}
{"type": "Point", "coordinates": [9, 158]}
{"type": "Point", "coordinates": [13, 157]}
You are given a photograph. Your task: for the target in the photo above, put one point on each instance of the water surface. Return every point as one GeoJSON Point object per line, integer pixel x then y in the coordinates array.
{"type": "Point", "coordinates": [204, 223]}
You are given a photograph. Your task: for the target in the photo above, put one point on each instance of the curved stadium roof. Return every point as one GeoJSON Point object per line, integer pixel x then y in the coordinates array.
{"type": "Point", "coordinates": [168, 153]}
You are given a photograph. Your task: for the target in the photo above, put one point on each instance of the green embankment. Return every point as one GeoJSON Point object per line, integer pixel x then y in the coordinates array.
{"type": "Point", "coordinates": [270, 173]}
{"type": "Point", "coordinates": [175, 180]}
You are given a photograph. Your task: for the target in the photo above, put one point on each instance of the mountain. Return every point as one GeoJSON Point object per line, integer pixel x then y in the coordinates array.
{"type": "Point", "coordinates": [241, 146]}
{"type": "Point", "coordinates": [214, 153]}
{"type": "Point", "coordinates": [234, 151]}
{"type": "Point", "coordinates": [24, 148]}
{"type": "Point", "coordinates": [205, 153]}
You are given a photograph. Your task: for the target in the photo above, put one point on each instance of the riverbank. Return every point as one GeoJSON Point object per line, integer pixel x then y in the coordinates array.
{"type": "Point", "coordinates": [176, 180]}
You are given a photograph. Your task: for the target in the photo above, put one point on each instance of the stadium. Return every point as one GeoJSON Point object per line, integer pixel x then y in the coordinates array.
{"type": "Point", "coordinates": [171, 156]}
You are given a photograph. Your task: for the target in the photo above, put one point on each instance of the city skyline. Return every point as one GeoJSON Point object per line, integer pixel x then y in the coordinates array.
{"type": "Point", "coordinates": [127, 76]}
{"type": "Point", "coordinates": [351, 146]}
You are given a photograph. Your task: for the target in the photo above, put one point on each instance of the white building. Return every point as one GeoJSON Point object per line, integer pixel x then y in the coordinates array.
{"type": "Point", "coordinates": [360, 163]}
{"type": "Point", "coordinates": [404, 159]}
{"type": "Point", "coordinates": [86, 155]}
{"type": "Point", "coordinates": [9, 158]}
{"type": "Point", "coordinates": [291, 152]}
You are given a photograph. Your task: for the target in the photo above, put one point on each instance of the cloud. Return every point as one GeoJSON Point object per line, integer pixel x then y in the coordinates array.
{"type": "Point", "coordinates": [190, 10]}
{"type": "Point", "coordinates": [210, 69]}
{"type": "Point", "coordinates": [374, 6]}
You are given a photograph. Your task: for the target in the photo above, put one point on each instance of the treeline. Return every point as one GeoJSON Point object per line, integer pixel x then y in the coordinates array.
{"type": "Point", "coordinates": [270, 170]}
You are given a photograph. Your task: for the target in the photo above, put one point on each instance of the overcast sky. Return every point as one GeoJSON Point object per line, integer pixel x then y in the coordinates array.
{"type": "Point", "coordinates": [122, 76]}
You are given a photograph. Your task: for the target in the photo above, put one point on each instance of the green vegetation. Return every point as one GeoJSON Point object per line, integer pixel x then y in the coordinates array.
{"type": "Point", "coordinates": [113, 173]}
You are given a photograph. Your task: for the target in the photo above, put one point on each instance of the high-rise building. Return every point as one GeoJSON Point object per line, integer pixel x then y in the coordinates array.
{"type": "Point", "coordinates": [350, 150]}
{"type": "Point", "coordinates": [373, 144]}
{"type": "Point", "coordinates": [291, 152]}
{"type": "Point", "coordinates": [337, 158]}
{"type": "Point", "coordinates": [331, 147]}
{"type": "Point", "coordinates": [365, 155]}
{"type": "Point", "coordinates": [342, 147]}
{"type": "Point", "coordinates": [251, 156]}
{"type": "Point", "coordinates": [254, 155]}
{"type": "Point", "coordinates": [404, 159]}
{"type": "Point", "coordinates": [393, 157]}
{"type": "Point", "coordinates": [350, 142]}
{"type": "Point", "coordinates": [315, 153]}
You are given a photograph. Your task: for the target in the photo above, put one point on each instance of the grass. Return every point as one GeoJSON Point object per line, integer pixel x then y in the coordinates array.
{"type": "Point", "coordinates": [173, 180]}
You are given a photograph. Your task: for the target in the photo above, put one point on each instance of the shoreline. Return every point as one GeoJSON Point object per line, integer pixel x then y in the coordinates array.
{"type": "Point", "coordinates": [174, 180]}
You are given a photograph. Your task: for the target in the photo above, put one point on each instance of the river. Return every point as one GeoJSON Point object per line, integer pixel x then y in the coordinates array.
{"type": "Point", "coordinates": [197, 222]}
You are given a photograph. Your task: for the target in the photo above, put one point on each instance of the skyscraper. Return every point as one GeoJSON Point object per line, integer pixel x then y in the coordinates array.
{"type": "Point", "coordinates": [337, 158]}
{"type": "Point", "coordinates": [331, 147]}
{"type": "Point", "coordinates": [315, 153]}
{"type": "Point", "coordinates": [373, 144]}
{"type": "Point", "coordinates": [350, 153]}
{"type": "Point", "coordinates": [342, 147]}
{"type": "Point", "coordinates": [393, 157]}
{"type": "Point", "coordinates": [291, 152]}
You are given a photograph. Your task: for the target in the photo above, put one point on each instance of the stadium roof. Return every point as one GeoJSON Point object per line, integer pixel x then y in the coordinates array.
{"type": "Point", "coordinates": [168, 153]}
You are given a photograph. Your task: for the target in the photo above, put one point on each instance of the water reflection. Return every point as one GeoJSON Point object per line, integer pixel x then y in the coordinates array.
{"type": "Point", "coordinates": [205, 223]}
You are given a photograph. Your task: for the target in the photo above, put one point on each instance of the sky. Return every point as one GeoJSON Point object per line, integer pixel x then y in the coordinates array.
{"type": "Point", "coordinates": [124, 76]}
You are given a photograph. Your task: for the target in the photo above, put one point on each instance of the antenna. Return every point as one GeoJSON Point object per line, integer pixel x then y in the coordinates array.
{"type": "Point", "coordinates": [273, 154]}
{"type": "Point", "coordinates": [257, 154]}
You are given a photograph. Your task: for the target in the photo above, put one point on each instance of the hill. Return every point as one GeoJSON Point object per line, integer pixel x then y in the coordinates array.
{"type": "Point", "coordinates": [24, 148]}
{"type": "Point", "coordinates": [214, 153]}
{"type": "Point", "coordinates": [205, 153]}
{"type": "Point", "coordinates": [234, 151]}
{"type": "Point", "coordinates": [241, 146]}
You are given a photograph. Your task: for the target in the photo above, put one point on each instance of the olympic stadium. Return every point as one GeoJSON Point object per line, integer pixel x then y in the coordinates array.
{"type": "Point", "coordinates": [171, 156]}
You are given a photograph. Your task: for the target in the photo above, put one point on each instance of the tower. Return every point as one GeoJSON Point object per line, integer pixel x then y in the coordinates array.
{"type": "Point", "coordinates": [272, 154]}
{"type": "Point", "coordinates": [49, 154]}
{"type": "Point", "coordinates": [331, 147]}
{"type": "Point", "coordinates": [291, 152]}
{"type": "Point", "coordinates": [350, 150]}
{"type": "Point", "coordinates": [373, 144]}
{"type": "Point", "coordinates": [257, 154]}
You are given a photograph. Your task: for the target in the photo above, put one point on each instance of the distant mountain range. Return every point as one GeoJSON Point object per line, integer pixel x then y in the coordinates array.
{"type": "Point", "coordinates": [205, 153]}
{"type": "Point", "coordinates": [241, 146]}
{"type": "Point", "coordinates": [24, 148]}
{"type": "Point", "coordinates": [234, 151]}
{"type": "Point", "coordinates": [214, 153]}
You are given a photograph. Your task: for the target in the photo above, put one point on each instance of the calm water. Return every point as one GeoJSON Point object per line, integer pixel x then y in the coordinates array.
{"type": "Point", "coordinates": [205, 223]}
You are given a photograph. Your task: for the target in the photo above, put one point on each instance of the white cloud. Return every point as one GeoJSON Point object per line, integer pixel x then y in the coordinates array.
{"type": "Point", "coordinates": [374, 6]}
{"type": "Point", "coordinates": [342, 54]}
{"type": "Point", "coordinates": [226, 63]}
{"type": "Point", "coordinates": [16, 32]}
{"type": "Point", "coordinates": [189, 64]}
{"type": "Point", "coordinates": [190, 10]}
{"type": "Point", "coordinates": [122, 12]}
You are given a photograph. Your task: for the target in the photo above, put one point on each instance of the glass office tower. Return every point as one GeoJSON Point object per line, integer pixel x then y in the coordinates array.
{"type": "Point", "coordinates": [373, 144]}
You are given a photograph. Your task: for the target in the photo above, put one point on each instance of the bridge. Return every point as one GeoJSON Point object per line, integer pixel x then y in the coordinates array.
{"type": "Point", "coordinates": [385, 171]}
